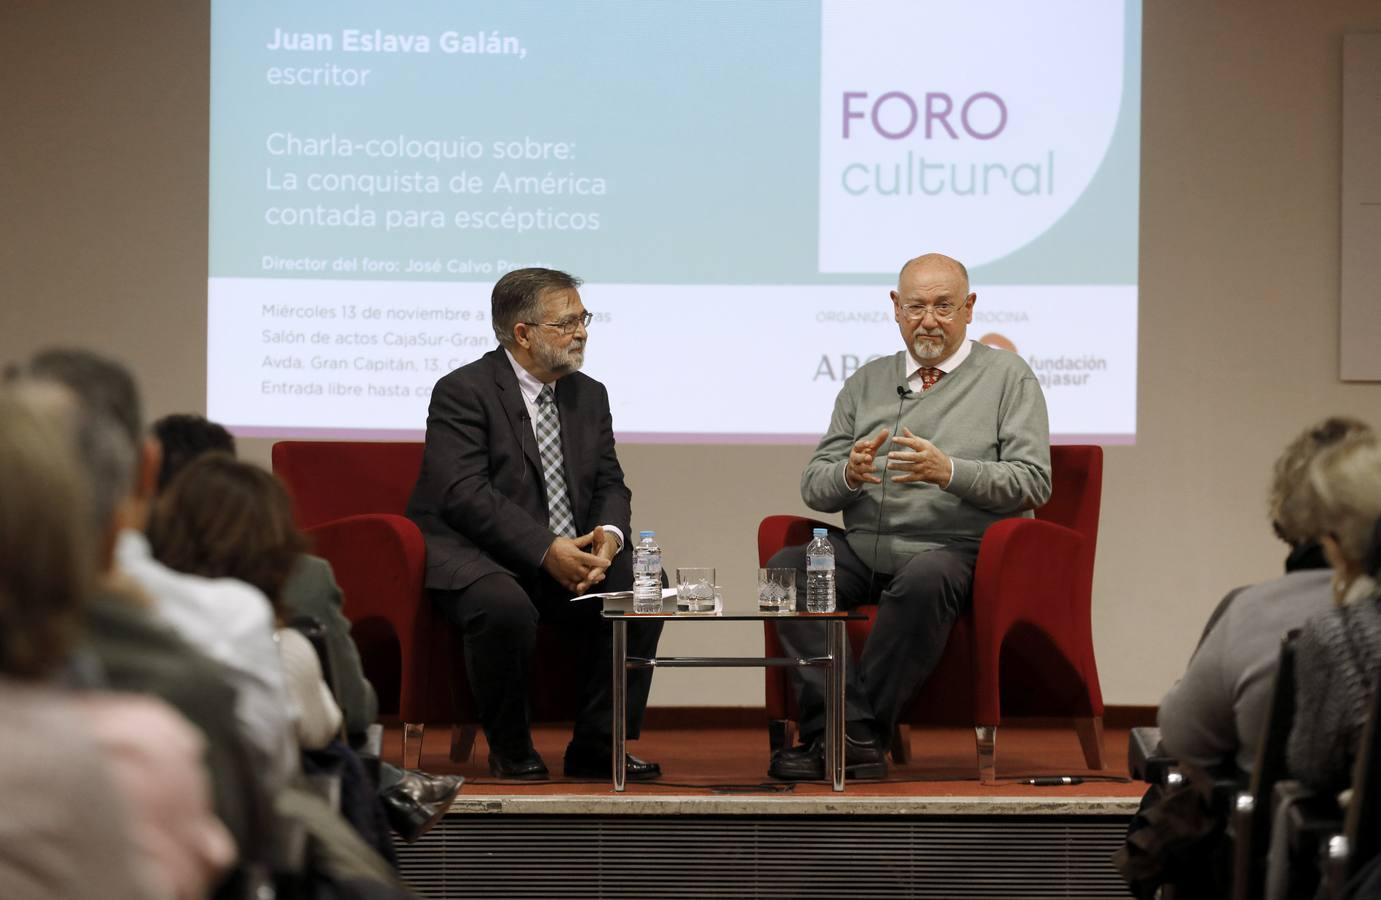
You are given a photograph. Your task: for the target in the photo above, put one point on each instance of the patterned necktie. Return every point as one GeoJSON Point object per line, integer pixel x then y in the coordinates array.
{"type": "Point", "coordinates": [930, 375]}
{"type": "Point", "coordinates": [559, 516]}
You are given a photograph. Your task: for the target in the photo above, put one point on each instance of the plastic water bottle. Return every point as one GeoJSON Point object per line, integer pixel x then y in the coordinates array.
{"type": "Point", "coordinates": [819, 574]}
{"type": "Point", "coordinates": [647, 574]}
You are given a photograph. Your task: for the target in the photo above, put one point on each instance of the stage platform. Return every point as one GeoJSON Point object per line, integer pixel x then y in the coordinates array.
{"type": "Point", "coordinates": [716, 826]}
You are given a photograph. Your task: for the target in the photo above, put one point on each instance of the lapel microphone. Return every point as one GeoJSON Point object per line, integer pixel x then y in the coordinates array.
{"type": "Point", "coordinates": [903, 391]}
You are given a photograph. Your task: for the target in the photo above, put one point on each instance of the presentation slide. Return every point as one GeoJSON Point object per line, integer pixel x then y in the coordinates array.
{"type": "Point", "coordinates": [736, 182]}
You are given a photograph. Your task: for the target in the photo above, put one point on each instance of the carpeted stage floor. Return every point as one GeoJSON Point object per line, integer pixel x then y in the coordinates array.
{"type": "Point", "coordinates": [734, 760]}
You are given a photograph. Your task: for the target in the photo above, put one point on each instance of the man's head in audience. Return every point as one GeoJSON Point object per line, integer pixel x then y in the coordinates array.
{"type": "Point", "coordinates": [46, 561]}
{"type": "Point", "coordinates": [185, 436]}
{"type": "Point", "coordinates": [106, 393]}
{"type": "Point", "coordinates": [102, 451]}
{"type": "Point", "coordinates": [1291, 502]}
{"type": "Point", "coordinates": [1345, 481]}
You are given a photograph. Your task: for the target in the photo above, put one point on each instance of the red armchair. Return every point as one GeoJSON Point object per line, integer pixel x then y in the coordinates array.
{"type": "Point", "coordinates": [1025, 649]}
{"type": "Point", "coordinates": [349, 498]}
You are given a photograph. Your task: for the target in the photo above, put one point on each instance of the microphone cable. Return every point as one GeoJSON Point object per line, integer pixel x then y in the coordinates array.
{"type": "Point", "coordinates": [902, 393]}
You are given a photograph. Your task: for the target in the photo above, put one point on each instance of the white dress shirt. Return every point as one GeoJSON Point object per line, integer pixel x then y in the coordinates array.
{"type": "Point", "coordinates": [914, 366]}
{"type": "Point", "coordinates": [232, 623]}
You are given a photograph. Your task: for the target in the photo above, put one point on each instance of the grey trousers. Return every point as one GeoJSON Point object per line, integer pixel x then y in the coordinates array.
{"type": "Point", "coordinates": [917, 607]}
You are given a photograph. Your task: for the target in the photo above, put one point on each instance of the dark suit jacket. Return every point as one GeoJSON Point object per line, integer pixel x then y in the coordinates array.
{"type": "Point", "coordinates": [480, 498]}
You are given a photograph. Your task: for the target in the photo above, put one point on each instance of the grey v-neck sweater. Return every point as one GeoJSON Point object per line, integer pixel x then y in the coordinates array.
{"type": "Point", "coordinates": [988, 415]}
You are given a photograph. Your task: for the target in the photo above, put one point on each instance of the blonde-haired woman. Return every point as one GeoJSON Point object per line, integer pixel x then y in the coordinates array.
{"type": "Point", "coordinates": [1216, 713]}
{"type": "Point", "coordinates": [1339, 653]}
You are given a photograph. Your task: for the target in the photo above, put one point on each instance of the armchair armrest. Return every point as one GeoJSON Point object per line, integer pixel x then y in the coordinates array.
{"type": "Point", "coordinates": [776, 532]}
{"type": "Point", "coordinates": [380, 562]}
{"type": "Point", "coordinates": [1030, 598]}
{"type": "Point", "coordinates": [1030, 559]}
{"type": "Point", "coordinates": [377, 558]}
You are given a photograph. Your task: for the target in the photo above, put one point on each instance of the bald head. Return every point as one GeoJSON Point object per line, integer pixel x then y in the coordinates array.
{"type": "Point", "coordinates": [933, 307]}
{"type": "Point", "coordinates": [935, 263]}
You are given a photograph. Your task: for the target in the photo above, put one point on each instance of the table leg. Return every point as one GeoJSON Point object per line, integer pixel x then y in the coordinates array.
{"type": "Point", "coordinates": [620, 703]}
{"type": "Point", "coordinates": [835, 681]}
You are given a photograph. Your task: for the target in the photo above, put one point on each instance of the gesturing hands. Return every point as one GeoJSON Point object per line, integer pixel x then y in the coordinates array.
{"type": "Point", "coordinates": [862, 461]}
{"type": "Point", "coordinates": [921, 461]}
{"type": "Point", "coordinates": [575, 569]}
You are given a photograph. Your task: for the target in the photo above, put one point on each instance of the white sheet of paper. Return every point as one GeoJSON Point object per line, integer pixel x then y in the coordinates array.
{"type": "Point", "coordinates": [621, 595]}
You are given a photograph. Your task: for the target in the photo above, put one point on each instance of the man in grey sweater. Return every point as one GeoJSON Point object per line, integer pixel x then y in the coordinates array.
{"type": "Point", "coordinates": [973, 447]}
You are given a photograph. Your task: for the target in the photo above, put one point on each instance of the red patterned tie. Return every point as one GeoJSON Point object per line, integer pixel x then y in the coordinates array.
{"type": "Point", "coordinates": [930, 375]}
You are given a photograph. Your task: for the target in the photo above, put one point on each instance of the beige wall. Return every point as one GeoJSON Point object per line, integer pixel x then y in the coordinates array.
{"type": "Point", "coordinates": [103, 149]}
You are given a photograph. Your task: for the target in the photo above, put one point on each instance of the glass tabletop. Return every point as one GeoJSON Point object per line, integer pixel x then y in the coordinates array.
{"type": "Point", "coordinates": [621, 607]}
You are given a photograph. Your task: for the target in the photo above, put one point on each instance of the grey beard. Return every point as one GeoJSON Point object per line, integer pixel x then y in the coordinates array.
{"type": "Point", "coordinates": [560, 362]}
{"type": "Point", "coordinates": [925, 350]}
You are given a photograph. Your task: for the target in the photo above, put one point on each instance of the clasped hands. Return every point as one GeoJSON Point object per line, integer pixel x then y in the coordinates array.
{"type": "Point", "coordinates": [579, 563]}
{"type": "Point", "coordinates": [920, 461]}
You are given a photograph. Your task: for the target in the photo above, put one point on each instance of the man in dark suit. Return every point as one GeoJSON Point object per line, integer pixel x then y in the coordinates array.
{"type": "Point", "coordinates": [522, 503]}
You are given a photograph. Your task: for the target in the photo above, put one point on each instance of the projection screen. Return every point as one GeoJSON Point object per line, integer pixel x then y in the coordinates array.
{"type": "Point", "coordinates": [736, 182]}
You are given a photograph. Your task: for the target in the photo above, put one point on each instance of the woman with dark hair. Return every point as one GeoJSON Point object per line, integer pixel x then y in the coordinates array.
{"type": "Point", "coordinates": [222, 518]}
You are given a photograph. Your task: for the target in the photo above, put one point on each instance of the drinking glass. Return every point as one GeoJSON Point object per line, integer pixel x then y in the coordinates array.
{"type": "Point", "coordinates": [776, 590]}
{"type": "Point", "coordinates": [695, 589]}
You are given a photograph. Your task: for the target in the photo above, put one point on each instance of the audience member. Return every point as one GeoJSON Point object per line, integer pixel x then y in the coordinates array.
{"type": "Point", "coordinates": [311, 590]}
{"type": "Point", "coordinates": [221, 518]}
{"type": "Point", "coordinates": [100, 789]}
{"type": "Point", "coordinates": [1338, 656]}
{"type": "Point", "coordinates": [182, 437]}
{"type": "Point", "coordinates": [134, 651]}
{"type": "Point", "coordinates": [415, 801]}
{"type": "Point", "coordinates": [226, 620]}
{"type": "Point", "coordinates": [1214, 718]}
{"type": "Point", "coordinates": [1216, 713]}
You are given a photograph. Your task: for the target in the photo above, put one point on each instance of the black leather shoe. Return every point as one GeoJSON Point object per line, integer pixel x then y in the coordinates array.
{"type": "Point", "coordinates": [582, 762]}
{"type": "Point", "coordinates": [520, 768]}
{"type": "Point", "coordinates": [418, 801]}
{"type": "Point", "coordinates": [862, 760]}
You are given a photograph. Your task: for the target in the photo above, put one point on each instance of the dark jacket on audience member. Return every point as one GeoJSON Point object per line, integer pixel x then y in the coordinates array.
{"type": "Point", "coordinates": [140, 655]}
{"type": "Point", "coordinates": [312, 591]}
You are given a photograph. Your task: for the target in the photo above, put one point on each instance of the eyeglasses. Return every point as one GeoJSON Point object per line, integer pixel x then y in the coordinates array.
{"type": "Point", "coordinates": [569, 326]}
{"type": "Point", "coordinates": [943, 311]}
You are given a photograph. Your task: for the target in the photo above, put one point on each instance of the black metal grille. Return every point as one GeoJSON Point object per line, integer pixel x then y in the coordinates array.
{"type": "Point", "coordinates": [775, 856]}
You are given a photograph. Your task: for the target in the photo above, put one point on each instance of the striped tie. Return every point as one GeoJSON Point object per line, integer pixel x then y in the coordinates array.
{"type": "Point", "coordinates": [559, 516]}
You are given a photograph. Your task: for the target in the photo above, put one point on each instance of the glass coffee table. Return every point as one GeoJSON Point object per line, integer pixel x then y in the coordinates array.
{"type": "Point", "coordinates": [619, 612]}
